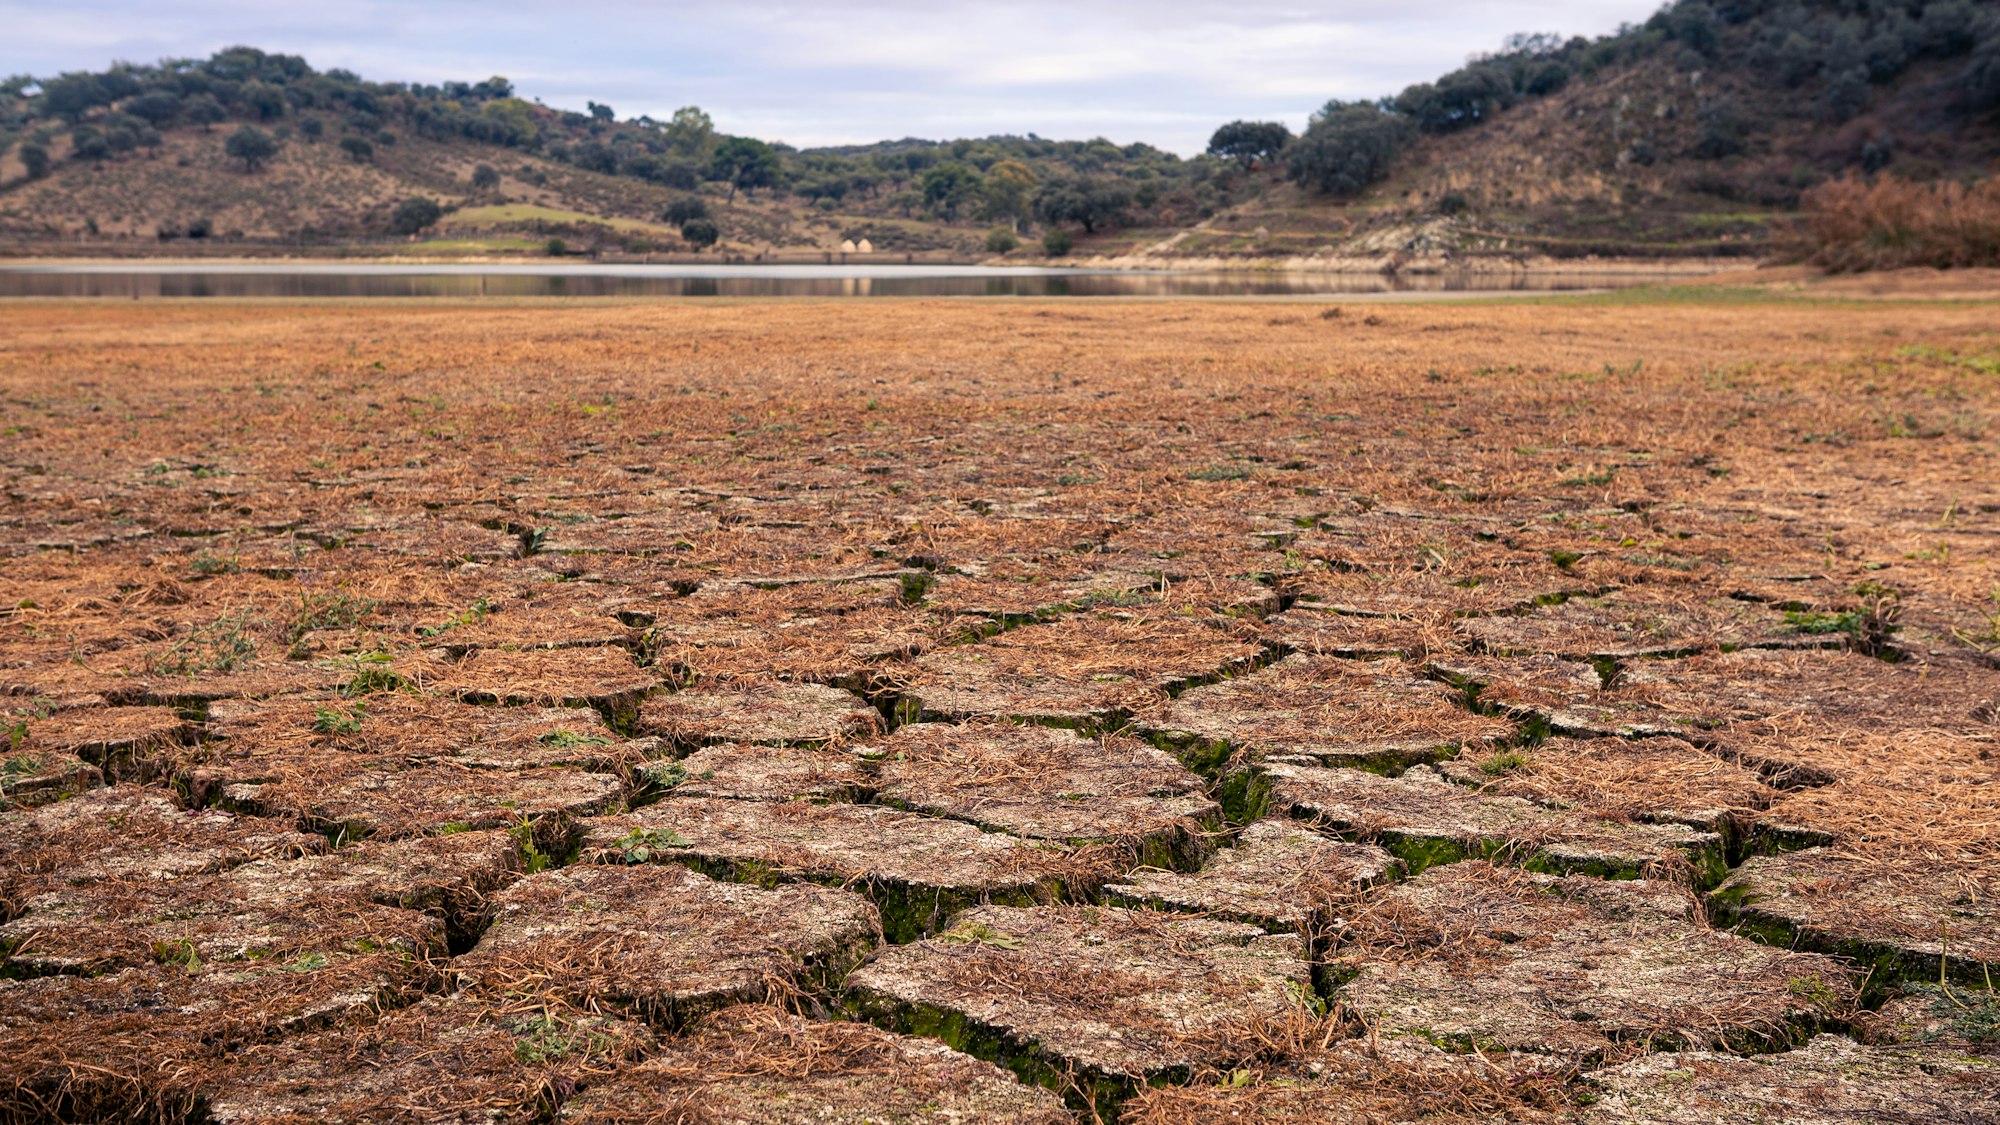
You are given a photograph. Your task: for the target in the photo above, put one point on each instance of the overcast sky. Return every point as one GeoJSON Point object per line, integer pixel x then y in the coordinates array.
{"type": "Point", "coordinates": [844, 71]}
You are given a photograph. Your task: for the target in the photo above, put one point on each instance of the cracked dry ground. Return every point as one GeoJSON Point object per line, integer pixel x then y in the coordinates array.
{"type": "Point", "coordinates": [958, 712]}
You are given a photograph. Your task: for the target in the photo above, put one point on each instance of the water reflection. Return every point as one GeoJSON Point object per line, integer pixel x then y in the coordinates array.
{"type": "Point", "coordinates": [143, 280]}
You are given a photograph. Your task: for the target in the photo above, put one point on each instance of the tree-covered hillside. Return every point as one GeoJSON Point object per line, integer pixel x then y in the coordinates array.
{"type": "Point", "coordinates": [271, 108]}
{"type": "Point", "coordinates": [1684, 134]}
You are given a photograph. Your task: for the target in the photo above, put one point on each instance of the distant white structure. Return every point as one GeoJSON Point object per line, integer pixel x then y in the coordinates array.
{"type": "Point", "coordinates": [847, 246]}
{"type": "Point", "coordinates": [865, 247]}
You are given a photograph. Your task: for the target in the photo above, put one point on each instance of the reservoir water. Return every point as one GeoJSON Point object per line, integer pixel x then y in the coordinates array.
{"type": "Point", "coordinates": [361, 279]}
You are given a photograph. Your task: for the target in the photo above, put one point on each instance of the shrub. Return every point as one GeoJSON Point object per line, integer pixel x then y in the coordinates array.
{"type": "Point", "coordinates": [485, 178]}
{"type": "Point", "coordinates": [357, 149]}
{"type": "Point", "coordinates": [89, 144]}
{"type": "Point", "coordinates": [685, 210]}
{"type": "Point", "coordinates": [1348, 147]}
{"type": "Point", "coordinates": [700, 232]}
{"type": "Point", "coordinates": [36, 159]}
{"type": "Point", "coordinates": [1001, 241]}
{"type": "Point", "coordinates": [251, 145]}
{"type": "Point", "coordinates": [1249, 142]}
{"type": "Point", "coordinates": [555, 248]}
{"type": "Point", "coordinates": [1851, 224]}
{"type": "Point", "coordinates": [414, 214]}
{"type": "Point", "coordinates": [1056, 242]}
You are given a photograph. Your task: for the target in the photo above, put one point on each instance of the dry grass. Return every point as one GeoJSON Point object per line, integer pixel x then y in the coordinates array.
{"type": "Point", "coordinates": [1852, 225]}
{"type": "Point", "coordinates": [221, 520]}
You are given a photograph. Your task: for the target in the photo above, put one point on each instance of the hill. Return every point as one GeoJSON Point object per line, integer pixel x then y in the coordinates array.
{"type": "Point", "coordinates": [1690, 135]}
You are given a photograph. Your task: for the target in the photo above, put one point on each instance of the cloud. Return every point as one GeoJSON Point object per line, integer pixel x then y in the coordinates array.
{"type": "Point", "coordinates": [1165, 71]}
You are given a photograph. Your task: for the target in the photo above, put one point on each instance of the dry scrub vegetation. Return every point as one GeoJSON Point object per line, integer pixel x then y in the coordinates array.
{"type": "Point", "coordinates": [1475, 711]}
{"type": "Point", "coordinates": [1853, 225]}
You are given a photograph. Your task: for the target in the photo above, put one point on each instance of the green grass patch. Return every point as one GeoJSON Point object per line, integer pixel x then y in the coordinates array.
{"type": "Point", "coordinates": [501, 214]}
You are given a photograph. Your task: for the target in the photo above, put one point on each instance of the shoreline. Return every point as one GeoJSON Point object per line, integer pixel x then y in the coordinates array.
{"type": "Point", "coordinates": [1357, 267]}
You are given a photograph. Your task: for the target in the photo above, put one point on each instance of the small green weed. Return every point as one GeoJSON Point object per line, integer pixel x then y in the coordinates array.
{"type": "Point", "coordinates": [536, 859]}
{"type": "Point", "coordinates": [641, 844]}
{"type": "Point", "coordinates": [222, 645]}
{"type": "Point", "coordinates": [208, 565]}
{"type": "Point", "coordinates": [546, 1039]}
{"type": "Point", "coordinates": [1818, 624]}
{"type": "Point", "coordinates": [1221, 473]}
{"type": "Point", "coordinates": [1503, 763]}
{"type": "Point", "coordinates": [1965, 1013]}
{"type": "Point", "coordinates": [180, 953]}
{"type": "Point", "coordinates": [370, 674]}
{"type": "Point", "coordinates": [983, 934]}
{"type": "Point", "coordinates": [1593, 479]}
{"type": "Point", "coordinates": [1814, 989]}
{"type": "Point", "coordinates": [666, 775]}
{"type": "Point", "coordinates": [336, 610]}
{"type": "Point", "coordinates": [337, 720]}
{"type": "Point", "coordinates": [471, 616]}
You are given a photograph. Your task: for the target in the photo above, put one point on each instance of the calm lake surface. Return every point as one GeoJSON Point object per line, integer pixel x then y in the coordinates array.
{"type": "Point", "coordinates": [349, 279]}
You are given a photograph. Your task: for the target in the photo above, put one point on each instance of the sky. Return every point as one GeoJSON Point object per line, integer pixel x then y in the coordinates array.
{"type": "Point", "coordinates": [847, 71]}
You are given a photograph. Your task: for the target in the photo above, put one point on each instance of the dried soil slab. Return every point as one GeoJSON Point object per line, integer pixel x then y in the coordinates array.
{"type": "Point", "coordinates": [1049, 784]}
{"type": "Point", "coordinates": [1474, 586]}
{"type": "Point", "coordinates": [458, 1060]}
{"type": "Point", "coordinates": [1750, 686]}
{"type": "Point", "coordinates": [141, 682]}
{"type": "Point", "coordinates": [1425, 820]}
{"type": "Point", "coordinates": [918, 869]}
{"type": "Point", "coordinates": [1194, 541]}
{"type": "Point", "coordinates": [359, 795]}
{"type": "Point", "coordinates": [114, 738]}
{"type": "Point", "coordinates": [755, 1065]}
{"type": "Point", "coordinates": [1651, 779]}
{"type": "Point", "coordinates": [1279, 875]}
{"type": "Point", "coordinates": [36, 777]}
{"type": "Point", "coordinates": [770, 712]}
{"type": "Point", "coordinates": [664, 941]}
{"type": "Point", "coordinates": [546, 615]}
{"type": "Point", "coordinates": [758, 772]}
{"type": "Point", "coordinates": [1371, 1082]}
{"type": "Point", "coordinates": [401, 727]}
{"type": "Point", "coordinates": [1567, 695]}
{"type": "Point", "coordinates": [1076, 672]}
{"type": "Point", "coordinates": [1321, 633]}
{"type": "Point", "coordinates": [130, 833]}
{"type": "Point", "coordinates": [995, 544]}
{"type": "Point", "coordinates": [132, 1045]}
{"type": "Point", "coordinates": [281, 915]}
{"type": "Point", "coordinates": [450, 876]}
{"type": "Point", "coordinates": [651, 533]}
{"type": "Point", "coordinates": [1902, 913]}
{"type": "Point", "coordinates": [605, 678]}
{"type": "Point", "coordinates": [1830, 1081]}
{"type": "Point", "coordinates": [443, 540]}
{"type": "Point", "coordinates": [750, 599]}
{"type": "Point", "coordinates": [1926, 1012]}
{"type": "Point", "coordinates": [838, 634]}
{"type": "Point", "coordinates": [1014, 593]}
{"type": "Point", "coordinates": [1643, 622]}
{"type": "Point", "coordinates": [1474, 956]}
{"type": "Point", "coordinates": [1325, 709]}
{"type": "Point", "coordinates": [1116, 996]}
